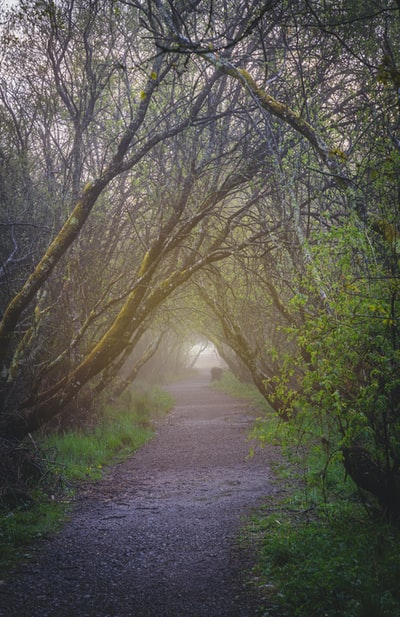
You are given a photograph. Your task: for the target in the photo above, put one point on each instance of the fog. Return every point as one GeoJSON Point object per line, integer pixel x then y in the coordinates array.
{"type": "Point", "coordinates": [208, 358]}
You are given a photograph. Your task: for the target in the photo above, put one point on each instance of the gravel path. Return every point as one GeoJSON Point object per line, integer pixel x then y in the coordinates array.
{"type": "Point", "coordinates": [157, 537]}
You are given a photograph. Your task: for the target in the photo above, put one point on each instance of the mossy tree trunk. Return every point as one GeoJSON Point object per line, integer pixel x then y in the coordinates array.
{"type": "Point", "coordinates": [149, 291]}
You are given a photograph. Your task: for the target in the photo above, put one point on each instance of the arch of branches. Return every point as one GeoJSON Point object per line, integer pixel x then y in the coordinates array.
{"type": "Point", "coordinates": [230, 167]}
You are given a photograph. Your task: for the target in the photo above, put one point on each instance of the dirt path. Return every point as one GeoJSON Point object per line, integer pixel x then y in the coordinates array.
{"type": "Point", "coordinates": [158, 536]}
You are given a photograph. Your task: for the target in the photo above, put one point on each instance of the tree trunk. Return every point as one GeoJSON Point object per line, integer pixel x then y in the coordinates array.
{"type": "Point", "coordinates": [368, 475]}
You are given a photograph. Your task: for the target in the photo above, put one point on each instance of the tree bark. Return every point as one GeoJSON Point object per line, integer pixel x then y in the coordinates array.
{"type": "Point", "coordinates": [71, 228]}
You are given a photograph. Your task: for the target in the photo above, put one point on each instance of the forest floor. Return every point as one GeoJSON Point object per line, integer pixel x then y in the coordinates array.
{"type": "Point", "coordinates": [159, 535]}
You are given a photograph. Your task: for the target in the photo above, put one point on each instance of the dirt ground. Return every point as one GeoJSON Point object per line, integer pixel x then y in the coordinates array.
{"type": "Point", "coordinates": [158, 536]}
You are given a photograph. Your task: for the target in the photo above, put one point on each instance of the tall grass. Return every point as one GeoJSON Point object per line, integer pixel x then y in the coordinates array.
{"type": "Point", "coordinates": [124, 425]}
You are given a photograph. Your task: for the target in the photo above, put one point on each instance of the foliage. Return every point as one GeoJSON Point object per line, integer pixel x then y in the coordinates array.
{"type": "Point", "coordinates": [319, 551]}
{"type": "Point", "coordinates": [346, 395]}
{"type": "Point", "coordinates": [331, 561]}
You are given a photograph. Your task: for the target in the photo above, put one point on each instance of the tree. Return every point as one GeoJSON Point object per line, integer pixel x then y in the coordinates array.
{"type": "Point", "coordinates": [167, 242]}
{"type": "Point", "coordinates": [211, 148]}
{"type": "Point", "coordinates": [310, 286]}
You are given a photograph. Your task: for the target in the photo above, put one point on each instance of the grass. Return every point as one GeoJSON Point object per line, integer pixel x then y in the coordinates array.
{"type": "Point", "coordinates": [20, 529]}
{"type": "Point", "coordinates": [228, 383]}
{"type": "Point", "coordinates": [321, 553]}
{"type": "Point", "coordinates": [314, 562]}
{"type": "Point", "coordinates": [123, 426]}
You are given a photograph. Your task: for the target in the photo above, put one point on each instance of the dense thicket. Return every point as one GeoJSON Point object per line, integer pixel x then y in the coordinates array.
{"type": "Point", "coordinates": [228, 169]}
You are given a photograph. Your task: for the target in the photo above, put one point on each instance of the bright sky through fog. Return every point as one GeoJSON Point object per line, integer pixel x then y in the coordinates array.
{"type": "Point", "coordinates": [208, 358]}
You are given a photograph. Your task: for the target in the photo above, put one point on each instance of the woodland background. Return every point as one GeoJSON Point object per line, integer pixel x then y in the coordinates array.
{"type": "Point", "coordinates": [173, 172]}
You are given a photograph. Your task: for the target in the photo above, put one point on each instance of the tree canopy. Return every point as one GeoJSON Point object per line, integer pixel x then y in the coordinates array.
{"type": "Point", "coordinates": [227, 170]}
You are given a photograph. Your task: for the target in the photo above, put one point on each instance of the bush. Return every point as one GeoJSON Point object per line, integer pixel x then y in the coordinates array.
{"type": "Point", "coordinates": [321, 553]}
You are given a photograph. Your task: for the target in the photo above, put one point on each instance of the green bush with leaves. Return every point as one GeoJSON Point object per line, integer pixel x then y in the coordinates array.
{"type": "Point", "coordinates": [347, 397]}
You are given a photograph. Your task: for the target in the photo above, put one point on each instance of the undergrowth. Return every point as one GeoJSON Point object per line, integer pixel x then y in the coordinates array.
{"type": "Point", "coordinates": [21, 528]}
{"type": "Point", "coordinates": [323, 551]}
{"type": "Point", "coordinates": [326, 561]}
{"type": "Point", "coordinates": [123, 426]}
